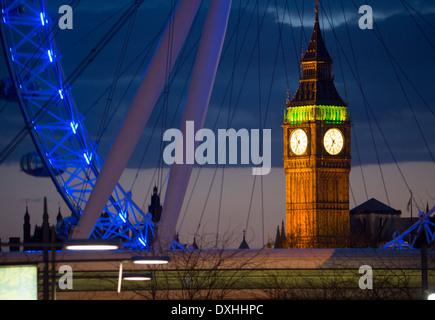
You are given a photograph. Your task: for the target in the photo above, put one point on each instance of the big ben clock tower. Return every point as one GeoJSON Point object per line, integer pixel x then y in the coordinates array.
{"type": "Point", "coordinates": [317, 155]}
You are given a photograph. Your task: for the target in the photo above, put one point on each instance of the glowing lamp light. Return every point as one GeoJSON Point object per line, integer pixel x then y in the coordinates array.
{"type": "Point", "coordinates": [431, 296]}
{"type": "Point", "coordinates": [92, 245]}
{"type": "Point", "coordinates": [137, 277]}
{"type": "Point", "coordinates": [150, 260]}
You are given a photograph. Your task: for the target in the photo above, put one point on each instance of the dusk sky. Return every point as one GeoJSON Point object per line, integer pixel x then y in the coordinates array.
{"type": "Point", "coordinates": [394, 63]}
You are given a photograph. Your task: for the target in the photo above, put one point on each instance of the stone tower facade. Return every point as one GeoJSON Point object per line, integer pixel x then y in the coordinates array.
{"type": "Point", "coordinates": [317, 155]}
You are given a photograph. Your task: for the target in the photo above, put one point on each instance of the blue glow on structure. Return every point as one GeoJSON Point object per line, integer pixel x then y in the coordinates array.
{"type": "Point", "coordinates": [87, 158]}
{"type": "Point", "coordinates": [65, 148]}
{"type": "Point", "coordinates": [123, 216]}
{"type": "Point", "coordinates": [74, 126]}
{"type": "Point", "coordinates": [142, 241]}
{"type": "Point", "coordinates": [12, 56]}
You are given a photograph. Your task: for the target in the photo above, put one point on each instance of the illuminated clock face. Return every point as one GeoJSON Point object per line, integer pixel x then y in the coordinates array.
{"type": "Point", "coordinates": [333, 141]}
{"type": "Point", "coordinates": [299, 141]}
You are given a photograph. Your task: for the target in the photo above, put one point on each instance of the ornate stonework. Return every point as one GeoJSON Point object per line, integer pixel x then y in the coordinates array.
{"type": "Point", "coordinates": [317, 179]}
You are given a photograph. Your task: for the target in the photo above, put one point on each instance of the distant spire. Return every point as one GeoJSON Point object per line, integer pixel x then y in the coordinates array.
{"type": "Point", "coordinates": [268, 245]}
{"type": "Point", "coordinates": [244, 244]}
{"type": "Point", "coordinates": [277, 239]}
{"type": "Point", "coordinates": [26, 228]}
{"type": "Point", "coordinates": [155, 208]}
{"type": "Point", "coordinates": [26, 215]}
{"type": "Point", "coordinates": [45, 223]}
{"type": "Point", "coordinates": [59, 215]}
{"type": "Point", "coordinates": [194, 245]}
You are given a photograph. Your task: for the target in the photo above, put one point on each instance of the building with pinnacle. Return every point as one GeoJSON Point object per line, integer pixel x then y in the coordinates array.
{"type": "Point", "coordinates": [317, 155]}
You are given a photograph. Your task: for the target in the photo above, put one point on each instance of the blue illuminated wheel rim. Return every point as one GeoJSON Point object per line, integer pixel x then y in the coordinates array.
{"type": "Point", "coordinates": [56, 126]}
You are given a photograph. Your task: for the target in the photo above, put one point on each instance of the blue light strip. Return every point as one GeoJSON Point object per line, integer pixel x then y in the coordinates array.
{"type": "Point", "coordinates": [123, 216]}
{"type": "Point", "coordinates": [141, 240]}
{"type": "Point", "coordinates": [88, 158]}
{"type": "Point", "coordinates": [74, 126]}
{"type": "Point", "coordinates": [50, 56]}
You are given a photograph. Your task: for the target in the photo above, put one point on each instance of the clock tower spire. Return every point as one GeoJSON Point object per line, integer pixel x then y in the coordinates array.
{"type": "Point", "coordinates": [317, 154]}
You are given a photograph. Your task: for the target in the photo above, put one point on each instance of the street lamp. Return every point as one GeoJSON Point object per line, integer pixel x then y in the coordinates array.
{"type": "Point", "coordinates": [92, 245]}
{"type": "Point", "coordinates": [137, 277]}
{"type": "Point", "coordinates": [150, 260]}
